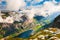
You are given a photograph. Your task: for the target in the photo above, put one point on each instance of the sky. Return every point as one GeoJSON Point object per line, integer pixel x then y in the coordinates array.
{"type": "Point", "coordinates": [28, 3]}
{"type": "Point", "coordinates": [38, 7]}
{"type": "Point", "coordinates": [38, 2]}
{"type": "Point", "coordinates": [32, 2]}
{"type": "Point", "coordinates": [42, 7]}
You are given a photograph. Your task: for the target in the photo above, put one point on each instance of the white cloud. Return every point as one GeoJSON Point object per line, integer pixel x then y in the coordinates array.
{"type": "Point", "coordinates": [38, 0]}
{"type": "Point", "coordinates": [48, 8]}
{"type": "Point", "coordinates": [28, 0]}
{"type": "Point", "coordinates": [14, 5]}
{"type": "Point", "coordinates": [29, 13]}
{"type": "Point", "coordinates": [51, 7]}
{"type": "Point", "coordinates": [54, 1]}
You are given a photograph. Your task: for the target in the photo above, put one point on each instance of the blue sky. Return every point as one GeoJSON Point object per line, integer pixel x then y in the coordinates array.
{"type": "Point", "coordinates": [32, 2]}
{"type": "Point", "coordinates": [29, 3]}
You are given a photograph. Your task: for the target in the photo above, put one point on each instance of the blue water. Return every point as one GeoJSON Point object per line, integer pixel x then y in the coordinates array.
{"type": "Point", "coordinates": [25, 34]}
{"type": "Point", "coordinates": [38, 18]}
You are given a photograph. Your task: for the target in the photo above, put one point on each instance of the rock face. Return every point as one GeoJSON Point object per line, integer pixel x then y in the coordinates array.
{"type": "Point", "coordinates": [56, 22]}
